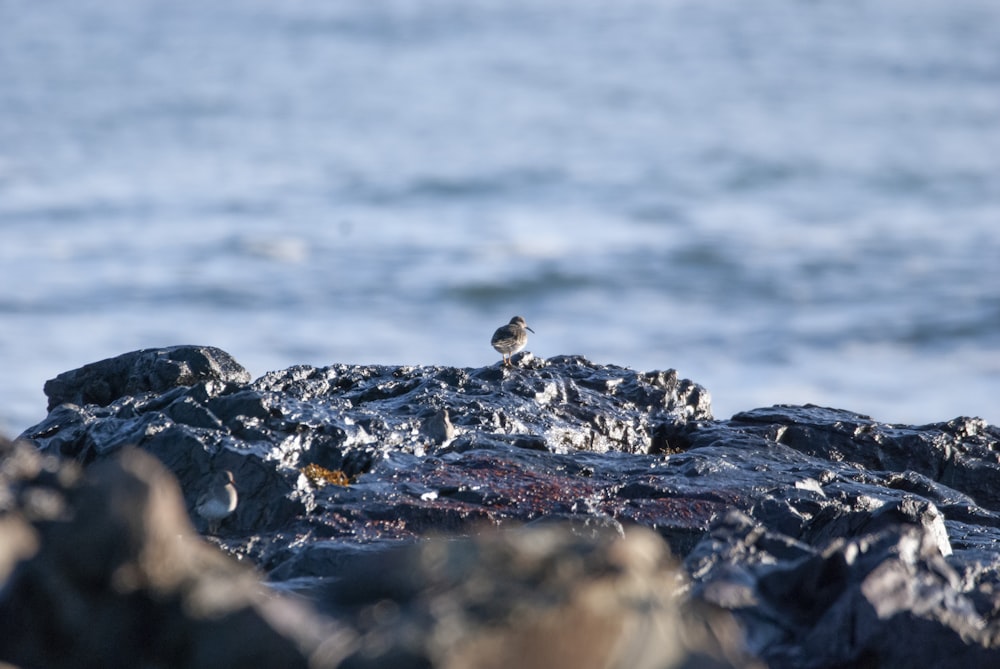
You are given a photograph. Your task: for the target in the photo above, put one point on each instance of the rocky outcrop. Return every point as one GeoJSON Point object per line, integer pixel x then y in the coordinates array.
{"type": "Point", "coordinates": [833, 539]}
{"type": "Point", "coordinates": [150, 370]}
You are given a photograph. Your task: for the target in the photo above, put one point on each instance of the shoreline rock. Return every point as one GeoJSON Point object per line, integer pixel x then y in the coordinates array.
{"type": "Point", "coordinates": [802, 522]}
{"type": "Point", "coordinates": [111, 574]}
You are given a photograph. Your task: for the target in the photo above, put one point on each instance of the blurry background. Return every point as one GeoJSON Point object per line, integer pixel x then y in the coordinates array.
{"type": "Point", "coordinates": [786, 200]}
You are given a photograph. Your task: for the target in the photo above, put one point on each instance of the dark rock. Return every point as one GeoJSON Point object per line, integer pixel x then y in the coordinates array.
{"type": "Point", "coordinates": [799, 519]}
{"type": "Point", "coordinates": [110, 574]}
{"type": "Point", "coordinates": [885, 597]}
{"type": "Point", "coordinates": [150, 370]}
{"type": "Point", "coordinates": [102, 569]}
{"type": "Point", "coordinates": [960, 454]}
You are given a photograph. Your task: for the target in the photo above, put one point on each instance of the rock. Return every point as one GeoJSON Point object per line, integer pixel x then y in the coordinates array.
{"type": "Point", "coordinates": [150, 370]}
{"type": "Point", "coordinates": [109, 573]}
{"type": "Point", "coordinates": [533, 597]}
{"type": "Point", "coordinates": [781, 515]}
{"type": "Point", "coordinates": [102, 569]}
{"type": "Point", "coordinates": [884, 597]}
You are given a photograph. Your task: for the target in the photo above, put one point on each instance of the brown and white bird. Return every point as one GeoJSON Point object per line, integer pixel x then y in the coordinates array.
{"type": "Point", "coordinates": [511, 338]}
{"type": "Point", "coordinates": [218, 501]}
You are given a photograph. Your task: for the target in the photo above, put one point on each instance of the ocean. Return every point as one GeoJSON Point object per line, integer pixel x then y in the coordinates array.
{"type": "Point", "coordinates": [788, 201]}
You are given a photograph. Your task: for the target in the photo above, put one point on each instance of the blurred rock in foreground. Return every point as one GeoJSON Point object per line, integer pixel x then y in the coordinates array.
{"type": "Point", "coordinates": [102, 569]}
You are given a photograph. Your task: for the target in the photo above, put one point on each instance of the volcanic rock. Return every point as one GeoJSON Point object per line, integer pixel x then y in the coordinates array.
{"type": "Point", "coordinates": [832, 538]}
{"type": "Point", "coordinates": [155, 370]}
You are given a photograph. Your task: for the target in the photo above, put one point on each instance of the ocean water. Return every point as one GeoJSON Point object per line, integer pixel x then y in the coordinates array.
{"type": "Point", "coordinates": [788, 201]}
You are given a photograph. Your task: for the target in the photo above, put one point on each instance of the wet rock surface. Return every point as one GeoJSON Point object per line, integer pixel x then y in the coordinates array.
{"type": "Point", "coordinates": [833, 539]}
{"type": "Point", "coordinates": [155, 370]}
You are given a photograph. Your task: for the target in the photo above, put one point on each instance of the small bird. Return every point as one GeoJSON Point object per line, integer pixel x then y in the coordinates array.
{"type": "Point", "coordinates": [438, 427]}
{"type": "Point", "coordinates": [511, 338]}
{"type": "Point", "coordinates": [218, 501]}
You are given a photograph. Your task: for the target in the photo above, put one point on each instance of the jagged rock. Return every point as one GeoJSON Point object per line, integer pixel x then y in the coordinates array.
{"type": "Point", "coordinates": [157, 370]}
{"type": "Point", "coordinates": [886, 596]}
{"type": "Point", "coordinates": [960, 454]}
{"type": "Point", "coordinates": [339, 464]}
{"type": "Point", "coordinates": [354, 419]}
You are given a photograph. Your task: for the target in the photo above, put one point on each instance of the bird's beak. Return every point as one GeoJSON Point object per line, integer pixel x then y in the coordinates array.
{"type": "Point", "coordinates": [529, 329]}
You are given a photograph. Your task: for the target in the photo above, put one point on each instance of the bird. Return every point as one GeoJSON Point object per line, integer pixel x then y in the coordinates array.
{"type": "Point", "coordinates": [438, 427]}
{"type": "Point", "coordinates": [218, 501]}
{"type": "Point", "coordinates": [511, 338]}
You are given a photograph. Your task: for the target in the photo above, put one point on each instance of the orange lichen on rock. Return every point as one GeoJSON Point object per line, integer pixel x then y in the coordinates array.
{"type": "Point", "coordinates": [320, 476]}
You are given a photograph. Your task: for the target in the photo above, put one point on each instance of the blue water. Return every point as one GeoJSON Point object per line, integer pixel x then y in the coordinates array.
{"type": "Point", "coordinates": [786, 200]}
